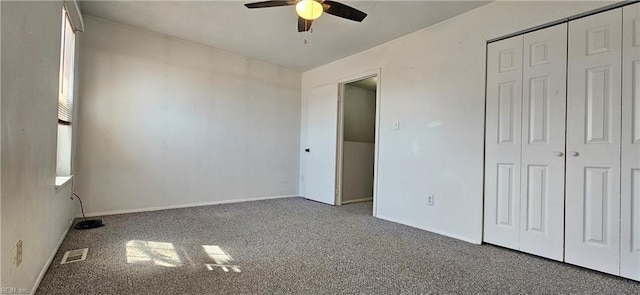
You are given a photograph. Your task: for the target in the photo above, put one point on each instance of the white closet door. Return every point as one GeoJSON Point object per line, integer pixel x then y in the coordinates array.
{"type": "Point", "coordinates": [593, 142]}
{"type": "Point", "coordinates": [630, 219]}
{"type": "Point", "coordinates": [503, 143]}
{"type": "Point", "coordinates": [543, 142]}
{"type": "Point", "coordinates": [322, 138]}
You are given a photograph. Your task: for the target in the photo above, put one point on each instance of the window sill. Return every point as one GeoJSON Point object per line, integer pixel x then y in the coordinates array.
{"type": "Point", "coordinates": [62, 181]}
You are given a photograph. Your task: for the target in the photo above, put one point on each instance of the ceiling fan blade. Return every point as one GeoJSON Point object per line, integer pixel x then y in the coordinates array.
{"type": "Point", "coordinates": [264, 4]}
{"type": "Point", "coordinates": [344, 11]}
{"type": "Point", "coordinates": [304, 24]}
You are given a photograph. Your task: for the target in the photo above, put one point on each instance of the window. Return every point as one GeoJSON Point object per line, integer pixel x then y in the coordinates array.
{"type": "Point", "coordinates": [65, 96]}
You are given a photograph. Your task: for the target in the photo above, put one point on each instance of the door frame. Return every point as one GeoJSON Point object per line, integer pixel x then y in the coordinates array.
{"type": "Point", "coordinates": [340, 142]}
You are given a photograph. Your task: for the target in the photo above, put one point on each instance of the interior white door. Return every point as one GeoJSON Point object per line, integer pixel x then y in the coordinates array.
{"type": "Point", "coordinates": [543, 142]}
{"type": "Point", "coordinates": [630, 202]}
{"type": "Point", "coordinates": [320, 152]}
{"type": "Point", "coordinates": [593, 142]}
{"type": "Point", "coordinates": [503, 142]}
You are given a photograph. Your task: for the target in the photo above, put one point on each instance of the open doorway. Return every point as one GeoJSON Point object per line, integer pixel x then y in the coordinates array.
{"type": "Point", "coordinates": [357, 141]}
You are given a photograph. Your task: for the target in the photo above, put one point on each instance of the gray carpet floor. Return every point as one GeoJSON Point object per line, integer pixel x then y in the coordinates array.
{"type": "Point", "coordinates": [296, 246]}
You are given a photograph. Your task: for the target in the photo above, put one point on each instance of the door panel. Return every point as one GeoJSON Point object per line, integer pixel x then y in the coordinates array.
{"type": "Point", "coordinates": [597, 102]}
{"type": "Point", "coordinates": [506, 112]}
{"type": "Point", "coordinates": [630, 203]}
{"type": "Point", "coordinates": [543, 128]}
{"type": "Point", "coordinates": [506, 181]}
{"type": "Point", "coordinates": [537, 199]}
{"type": "Point", "coordinates": [592, 237]}
{"type": "Point", "coordinates": [596, 200]}
{"type": "Point", "coordinates": [322, 127]}
{"type": "Point", "coordinates": [503, 138]}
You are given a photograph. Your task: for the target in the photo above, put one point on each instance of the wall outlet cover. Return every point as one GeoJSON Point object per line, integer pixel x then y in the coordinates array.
{"type": "Point", "coordinates": [430, 200]}
{"type": "Point", "coordinates": [18, 253]}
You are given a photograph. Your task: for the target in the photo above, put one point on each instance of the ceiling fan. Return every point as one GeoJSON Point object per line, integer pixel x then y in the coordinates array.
{"type": "Point", "coordinates": [308, 10]}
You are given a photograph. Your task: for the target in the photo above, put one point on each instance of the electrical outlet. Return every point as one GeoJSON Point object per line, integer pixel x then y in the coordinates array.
{"type": "Point", "coordinates": [17, 253]}
{"type": "Point", "coordinates": [430, 200]}
{"type": "Point", "coordinates": [14, 256]}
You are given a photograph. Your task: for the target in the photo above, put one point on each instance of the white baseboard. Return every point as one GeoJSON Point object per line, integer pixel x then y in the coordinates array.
{"type": "Point", "coordinates": [185, 206]}
{"type": "Point", "coordinates": [472, 241]}
{"type": "Point", "coordinates": [50, 260]}
{"type": "Point", "coordinates": [357, 200]}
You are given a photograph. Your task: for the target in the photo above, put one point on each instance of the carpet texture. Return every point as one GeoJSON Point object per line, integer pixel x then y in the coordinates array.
{"type": "Point", "coordinates": [296, 246]}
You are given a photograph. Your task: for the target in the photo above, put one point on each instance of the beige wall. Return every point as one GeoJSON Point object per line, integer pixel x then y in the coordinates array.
{"type": "Point", "coordinates": [357, 170]}
{"type": "Point", "coordinates": [358, 148]}
{"type": "Point", "coordinates": [359, 114]}
{"type": "Point", "coordinates": [31, 209]}
{"type": "Point", "coordinates": [170, 123]}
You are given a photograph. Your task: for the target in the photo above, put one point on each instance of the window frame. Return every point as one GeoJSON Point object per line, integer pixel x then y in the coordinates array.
{"type": "Point", "coordinates": [66, 95]}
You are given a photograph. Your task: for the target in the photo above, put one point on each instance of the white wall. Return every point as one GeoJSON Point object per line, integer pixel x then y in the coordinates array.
{"type": "Point", "coordinates": [166, 122]}
{"type": "Point", "coordinates": [32, 211]}
{"type": "Point", "coordinates": [432, 82]}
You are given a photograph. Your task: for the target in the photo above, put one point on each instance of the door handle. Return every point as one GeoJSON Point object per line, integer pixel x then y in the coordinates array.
{"type": "Point", "coordinates": [575, 154]}
{"type": "Point", "coordinates": [559, 154]}
{"type": "Point", "coordinates": [307, 150]}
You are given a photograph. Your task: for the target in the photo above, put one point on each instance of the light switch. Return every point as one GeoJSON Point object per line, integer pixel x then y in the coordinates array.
{"type": "Point", "coordinates": [396, 125]}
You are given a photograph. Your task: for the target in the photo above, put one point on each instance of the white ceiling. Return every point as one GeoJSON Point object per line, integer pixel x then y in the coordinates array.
{"type": "Point", "coordinates": [270, 34]}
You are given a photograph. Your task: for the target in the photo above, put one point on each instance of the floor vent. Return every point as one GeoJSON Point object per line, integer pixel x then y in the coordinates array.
{"type": "Point", "coordinates": [75, 255]}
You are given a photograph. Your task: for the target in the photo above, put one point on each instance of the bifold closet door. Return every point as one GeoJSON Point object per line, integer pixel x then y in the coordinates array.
{"type": "Point", "coordinates": [543, 142]}
{"type": "Point", "coordinates": [592, 236]}
{"type": "Point", "coordinates": [525, 142]}
{"type": "Point", "coordinates": [630, 209]}
{"type": "Point", "coordinates": [503, 142]}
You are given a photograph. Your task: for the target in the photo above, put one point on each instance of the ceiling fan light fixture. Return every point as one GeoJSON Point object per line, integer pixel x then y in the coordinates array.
{"type": "Point", "coordinates": [309, 9]}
